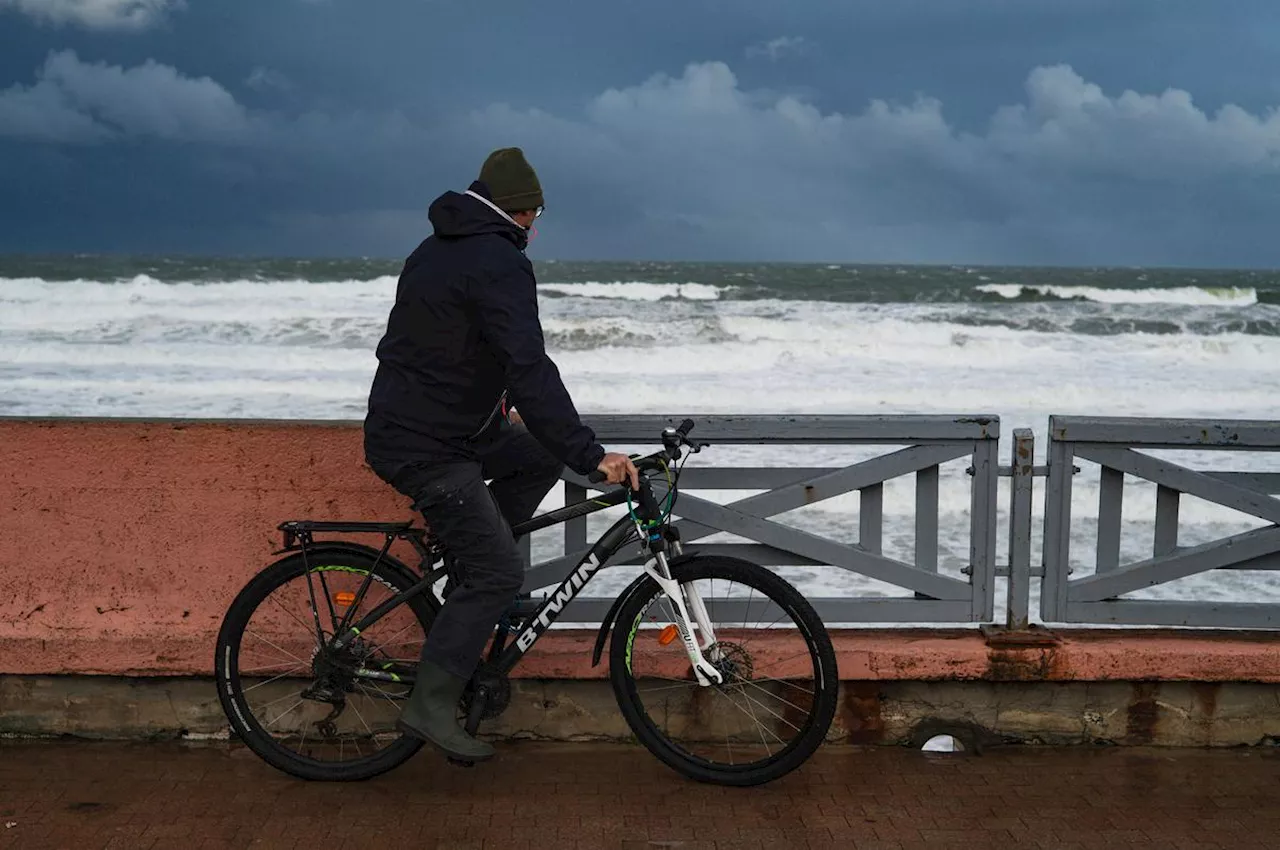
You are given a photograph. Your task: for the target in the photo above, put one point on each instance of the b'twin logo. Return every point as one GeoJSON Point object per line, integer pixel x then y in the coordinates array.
{"type": "Point", "coordinates": [567, 591]}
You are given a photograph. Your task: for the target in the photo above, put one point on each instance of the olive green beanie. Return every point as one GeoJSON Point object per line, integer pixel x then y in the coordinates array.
{"type": "Point", "coordinates": [511, 180]}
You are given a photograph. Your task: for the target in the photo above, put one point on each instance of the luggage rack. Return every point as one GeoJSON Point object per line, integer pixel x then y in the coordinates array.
{"type": "Point", "coordinates": [297, 533]}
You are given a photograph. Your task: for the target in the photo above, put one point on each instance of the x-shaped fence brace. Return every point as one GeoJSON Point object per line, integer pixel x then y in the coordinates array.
{"type": "Point", "coordinates": [1256, 549]}
{"type": "Point", "coordinates": [748, 518]}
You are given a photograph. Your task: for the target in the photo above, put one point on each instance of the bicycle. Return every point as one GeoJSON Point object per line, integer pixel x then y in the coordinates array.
{"type": "Point", "coordinates": [334, 667]}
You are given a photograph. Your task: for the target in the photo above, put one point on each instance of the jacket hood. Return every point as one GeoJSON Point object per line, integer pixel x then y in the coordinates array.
{"type": "Point", "coordinates": [455, 215]}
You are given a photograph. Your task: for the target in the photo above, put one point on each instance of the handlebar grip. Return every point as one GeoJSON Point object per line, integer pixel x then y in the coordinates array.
{"type": "Point", "coordinates": [596, 476]}
{"type": "Point", "coordinates": [685, 427]}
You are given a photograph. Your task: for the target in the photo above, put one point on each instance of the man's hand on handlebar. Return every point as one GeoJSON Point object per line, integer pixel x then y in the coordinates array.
{"type": "Point", "coordinates": [618, 468]}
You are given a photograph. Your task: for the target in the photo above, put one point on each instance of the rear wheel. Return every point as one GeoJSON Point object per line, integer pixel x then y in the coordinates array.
{"type": "Point", "coordinates": [778, 695]}
{"type": "Point", "coordinates": [297, 704]}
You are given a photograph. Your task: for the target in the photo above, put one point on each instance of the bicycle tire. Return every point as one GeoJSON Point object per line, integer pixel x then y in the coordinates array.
{"type": "Point", "coordinates": [781, 593]}
{"type": "Point", "coordinates": [227, 677]}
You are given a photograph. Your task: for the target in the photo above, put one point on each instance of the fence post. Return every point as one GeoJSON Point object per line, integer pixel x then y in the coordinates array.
{"type": "Point", "coordinates": [1059, 455]}
{"type": "Point", "coordinates": [982, 534]}
{"type": "Point", "coordinates": [1021, 476]}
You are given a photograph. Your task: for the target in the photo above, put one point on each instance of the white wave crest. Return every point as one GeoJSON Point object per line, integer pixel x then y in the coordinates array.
{"type": "Point", "coordinates": [152, 307]}
{"type": "Point", "coordinates": [637, 290]}
{"type": "Point", "coordinates": [146, 289]}
{"type": "Point", "coordinates": [1208, 296]}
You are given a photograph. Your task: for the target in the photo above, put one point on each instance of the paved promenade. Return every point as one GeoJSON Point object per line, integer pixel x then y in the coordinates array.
{"type": "Point", "coordinates": [110, 795]}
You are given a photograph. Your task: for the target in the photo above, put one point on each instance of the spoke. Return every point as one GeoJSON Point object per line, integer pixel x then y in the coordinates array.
{"type": "Point", "coordinates": [283, 698]}
{"type": "Point", "coordinates": [378, 691]}
{"type": "Point", "coordinates": [749, 714]}
{"type": "Point", "coordinates": [759, 725]}
{"type": "Point", "coordinates": [355, 740]}
{"type": "Point", "coordinates": [295, 617]}
{"type": "Point", "coordinates": [286, 711]}
{"type": "Point", "coordinates": [766, 708]}
{"type": "Point", "coordinates": [276, 648]}
{"type": "Point", "coordinates": [252, 670]}
{"type": "Point", "coordinates": [364, 722]}
{"type": "Point", "coordinates": [269, 681]}
{"type": "Point", "coordinates": [670, 679]}
{"type": "Point", "coordinates": [781, 682]}
{"type": "Point", "coordinates": [666, 687]}
{"type": "Point", "coordinates": [770, 626]}
{"type": "Point", "coordinates": [375, 648]}
{"type": "Point", "coordinates": [778, 661]}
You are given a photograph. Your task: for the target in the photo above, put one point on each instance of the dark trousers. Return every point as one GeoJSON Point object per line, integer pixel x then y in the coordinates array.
{"type": "Point", "coordinates": [474, 521]}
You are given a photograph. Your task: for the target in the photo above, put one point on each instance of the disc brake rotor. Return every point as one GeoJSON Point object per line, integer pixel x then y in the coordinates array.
{"type": "Point", "coordinates": [735, 662]}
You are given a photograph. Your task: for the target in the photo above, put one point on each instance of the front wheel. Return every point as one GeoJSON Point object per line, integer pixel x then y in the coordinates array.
{"type": "Point", "coordinates": [779, 685]}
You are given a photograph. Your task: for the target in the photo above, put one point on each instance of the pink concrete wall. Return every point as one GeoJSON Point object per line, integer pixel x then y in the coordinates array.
{"type": "Point", "coordinates": [122, 543]}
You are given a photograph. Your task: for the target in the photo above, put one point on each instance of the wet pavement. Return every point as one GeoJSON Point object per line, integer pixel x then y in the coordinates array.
{"type": "Point", "coordinates": [168, 795]}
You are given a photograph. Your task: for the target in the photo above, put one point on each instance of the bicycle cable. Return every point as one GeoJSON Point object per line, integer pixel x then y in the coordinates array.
{"type": "Point", "coordinates": [670, 498]}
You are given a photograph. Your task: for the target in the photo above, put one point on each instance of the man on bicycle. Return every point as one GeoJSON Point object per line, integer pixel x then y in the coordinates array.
{"type": "Point", "coordinates": [463, 341]}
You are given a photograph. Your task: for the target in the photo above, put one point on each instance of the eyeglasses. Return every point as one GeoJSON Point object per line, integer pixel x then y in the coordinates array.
{"type": "Point", "coordinates": [537, 213]}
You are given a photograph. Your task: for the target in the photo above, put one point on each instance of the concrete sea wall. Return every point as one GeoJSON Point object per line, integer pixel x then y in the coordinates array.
{"type": "Point", "coordinates": [122, 542]}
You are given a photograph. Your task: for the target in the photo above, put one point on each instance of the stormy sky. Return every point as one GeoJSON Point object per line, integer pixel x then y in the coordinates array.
{"type": "Point", "coordinates": [1125, 132]}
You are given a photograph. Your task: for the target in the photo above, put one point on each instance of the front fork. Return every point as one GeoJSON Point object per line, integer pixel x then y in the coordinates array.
{"type": "Point", "coordinates": [687, 600]}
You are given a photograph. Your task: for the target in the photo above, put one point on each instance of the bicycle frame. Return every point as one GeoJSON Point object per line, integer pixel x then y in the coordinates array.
{"type": "Point", "coordinates": [689, 606]}
{"type": "Point", "coordinates": [298, 537]}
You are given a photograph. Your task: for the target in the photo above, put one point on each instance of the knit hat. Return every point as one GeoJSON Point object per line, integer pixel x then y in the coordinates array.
{"type": "Point", "coordinates": [511, 180]}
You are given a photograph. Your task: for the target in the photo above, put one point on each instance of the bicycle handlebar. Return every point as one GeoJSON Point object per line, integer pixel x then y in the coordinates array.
{"type": "Point", "coordinates": [672, 439]}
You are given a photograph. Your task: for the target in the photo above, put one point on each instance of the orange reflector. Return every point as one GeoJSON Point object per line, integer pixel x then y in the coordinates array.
{"type": "Point", "coordinates": [344, 598]}
{"type": "Point", "coordinates": [667, 635]}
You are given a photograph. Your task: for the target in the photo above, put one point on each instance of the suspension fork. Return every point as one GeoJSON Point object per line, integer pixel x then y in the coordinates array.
{"type": "Point", "coordinates": [685, 598]}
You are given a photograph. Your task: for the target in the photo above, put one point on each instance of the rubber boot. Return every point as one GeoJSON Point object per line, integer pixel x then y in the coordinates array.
{"type": "Point", "coordinates": [430, 715]}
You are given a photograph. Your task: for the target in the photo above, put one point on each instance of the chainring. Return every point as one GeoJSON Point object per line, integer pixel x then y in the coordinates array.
{"type": "Point", "coordinates": [498, 686]}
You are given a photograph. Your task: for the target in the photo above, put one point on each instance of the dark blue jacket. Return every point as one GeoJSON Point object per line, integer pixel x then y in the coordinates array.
{"type": "Point", "coordinates": [464, 329]}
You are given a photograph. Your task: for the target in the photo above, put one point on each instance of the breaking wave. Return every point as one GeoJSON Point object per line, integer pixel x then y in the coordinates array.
{"type": "Point", "coordinates": [1234, 296]}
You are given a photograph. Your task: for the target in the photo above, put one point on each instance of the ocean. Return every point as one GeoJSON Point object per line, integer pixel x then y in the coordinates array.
{"type": "Point", "coordinates": [247, 338]}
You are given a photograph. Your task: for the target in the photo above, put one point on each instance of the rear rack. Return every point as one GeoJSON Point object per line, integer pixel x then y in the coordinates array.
{"type": "Point", "coordinates": [301, 529]}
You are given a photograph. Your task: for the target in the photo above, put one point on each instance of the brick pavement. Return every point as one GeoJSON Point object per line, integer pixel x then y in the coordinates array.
{"type": "Point", "coordinates": [166, 795]}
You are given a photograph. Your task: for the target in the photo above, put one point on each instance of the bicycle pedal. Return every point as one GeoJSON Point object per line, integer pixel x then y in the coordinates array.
{"type": "Point", "coordinates": [508, 625]}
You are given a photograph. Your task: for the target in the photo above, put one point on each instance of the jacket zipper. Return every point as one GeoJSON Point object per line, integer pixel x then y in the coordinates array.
{"type": "Point", "coordinates": [500, 405]}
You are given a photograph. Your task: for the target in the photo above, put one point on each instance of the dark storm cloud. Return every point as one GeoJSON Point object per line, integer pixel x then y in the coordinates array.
{"type": "Point", "coordinates": [95, 14]}
{"type": "Point", "coordinates": [75, 101]}
{"type": "Point", "coordinates": [779, 177]}
{"type": "Point", "coordinates": [917, 131]}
